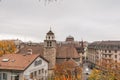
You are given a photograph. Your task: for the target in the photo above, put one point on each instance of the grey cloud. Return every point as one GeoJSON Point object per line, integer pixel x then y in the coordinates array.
{"type": "Point", "coordinates": [88, 19]}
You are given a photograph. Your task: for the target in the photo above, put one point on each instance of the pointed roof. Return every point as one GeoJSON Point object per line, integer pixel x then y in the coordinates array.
{"type": "Point", "coordinates": [50, 32]}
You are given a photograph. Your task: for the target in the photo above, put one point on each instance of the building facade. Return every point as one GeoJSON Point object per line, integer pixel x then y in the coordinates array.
{"type": "Point", "coordinates": [23, 67]}
{"type": "Point", "coordinates": [104, 52]}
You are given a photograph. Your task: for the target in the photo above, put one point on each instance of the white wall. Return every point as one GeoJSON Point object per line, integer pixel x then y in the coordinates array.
{"type": "Point", "coordinates": [32, 68]}
{"type": "Point", "coordinates": [29, 70]}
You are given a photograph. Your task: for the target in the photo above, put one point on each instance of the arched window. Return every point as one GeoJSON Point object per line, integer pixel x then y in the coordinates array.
{"type": "Point", "coordinates": [47, 43]}
{"type": "Point", "coordinates": [49, 37]}
{"type": "Point", "coordinates": [50, 44]}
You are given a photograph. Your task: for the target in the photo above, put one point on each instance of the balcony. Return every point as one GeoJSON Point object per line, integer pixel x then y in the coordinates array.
{"type": "Point", "coordinates": [107, 58]}
{"type": "Point", "coordinates": [107, 53]}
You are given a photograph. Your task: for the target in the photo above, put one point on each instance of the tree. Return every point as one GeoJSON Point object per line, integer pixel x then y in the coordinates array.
{"type": "Point", "coordinates": [108, 70]}
{"type": "Point", "coordinates": [7, 46]}
{"type": "Point", "coordinates": [67, 71]}
{"type": "Point", "coordinates": [95, 75]}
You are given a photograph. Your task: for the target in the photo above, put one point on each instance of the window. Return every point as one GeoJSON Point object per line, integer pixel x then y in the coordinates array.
{"type": "Point", "coordinates": [50, 44]}
{"type": "Point", "coordinates": [39, 71]}
{"type": "Point", "coordinates": [115, 51]}
{"type": "Point", "coordinates": [115, 56]}
{"type": "Point", "coordinates": [42, 70]}
{"type": "Point", "coordinates": [31, 75]}
{"type": "Point", "coordinates": [38, 62]}
{"type": "Point", "coordinates": [35, 73]}
{"type": "Point", "coordinates": [4, 76]}
{"type": "Point", "coordinates": [17, 77]}
{"type": "Point", "coordinates": [47, 43]}
{"type": "Point", "coordinates": [105, 51]}
{"type": "Point", "coordinates": [0, 76]}
{"type": "Point", "coordinates": [109, 55]}
{"type": "Point", "coordinates": [105, 55]}
{"type": "Point", "coordinates": [45, 71]}
{"type": "Point", "coordinates": [109, 51]}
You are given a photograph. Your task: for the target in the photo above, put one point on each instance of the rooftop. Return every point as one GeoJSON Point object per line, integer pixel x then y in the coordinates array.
{"type": "Point", "coordinates": [16, 61]}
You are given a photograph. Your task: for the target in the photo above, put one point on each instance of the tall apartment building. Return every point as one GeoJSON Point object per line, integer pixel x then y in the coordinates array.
{"type": "Point", "coordinates": [101, 52]}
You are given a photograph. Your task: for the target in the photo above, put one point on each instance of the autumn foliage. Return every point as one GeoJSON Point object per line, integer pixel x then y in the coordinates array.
{"type": "Point", "coordinates": [107, 71]}
{"type": "Point", "coordinates": [7, 46]}
{"type": "Point", "coordinates": [67, 71]}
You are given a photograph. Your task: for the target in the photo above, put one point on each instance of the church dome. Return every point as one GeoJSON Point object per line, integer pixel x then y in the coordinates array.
{"type": "Point", "coordinates": [70, 38]}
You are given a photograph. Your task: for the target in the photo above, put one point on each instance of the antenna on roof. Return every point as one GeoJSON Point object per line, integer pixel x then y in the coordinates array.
{"type": "Point", "coordinates": [81, 39]}
{"type": "Point", "coordinates": [50, 27]}
{"type": "Point", "coordinates": [82, 44]}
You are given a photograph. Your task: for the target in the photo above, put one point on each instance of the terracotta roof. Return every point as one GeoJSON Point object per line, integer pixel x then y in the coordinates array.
{"type": "Point", "coordinates": [67, 51]}
{"type": "Point", "coordinates": [17, 61]}
{"type": "Point", "coordinates": [37, 49]}
{"type": "Point", "coordinates": [72, 62]}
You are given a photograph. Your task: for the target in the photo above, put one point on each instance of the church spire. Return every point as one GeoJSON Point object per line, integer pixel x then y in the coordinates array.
{"type": "Point", "coordinates": [50, 28]}
{"type": "Point", "coordinates": [50, 32]}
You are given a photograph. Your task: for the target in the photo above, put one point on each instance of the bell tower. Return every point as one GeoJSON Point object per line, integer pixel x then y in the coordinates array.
{"type": "Point", "coordinates": [50, 49]}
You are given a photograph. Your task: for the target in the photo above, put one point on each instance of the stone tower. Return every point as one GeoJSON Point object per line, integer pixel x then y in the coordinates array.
{"type": "Point", "coordinates": [50, 49]}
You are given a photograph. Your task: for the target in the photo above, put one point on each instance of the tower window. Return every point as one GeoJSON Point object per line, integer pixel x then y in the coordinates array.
{"type": "Point", "coordinates": [109, 51]}
{"type": "Point", "coordinates": [49, 37]}
{"type": "Point", "coordinates": [50, 43]}
{"type": "Point", "coordinates": [47, 43]}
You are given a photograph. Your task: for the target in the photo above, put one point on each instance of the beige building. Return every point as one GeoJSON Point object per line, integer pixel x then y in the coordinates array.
{"type": "Point", "coordinates": [101, 52]}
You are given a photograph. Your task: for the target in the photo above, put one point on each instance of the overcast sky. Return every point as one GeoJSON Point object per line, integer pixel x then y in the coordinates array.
{"type": "Point", "coordinates": [89, 20]}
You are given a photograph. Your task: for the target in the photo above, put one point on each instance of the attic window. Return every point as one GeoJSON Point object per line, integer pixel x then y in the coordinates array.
{"type": "Point", "coordinates": [5, 60]}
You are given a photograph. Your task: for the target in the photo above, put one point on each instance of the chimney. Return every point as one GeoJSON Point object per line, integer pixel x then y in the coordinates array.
{"type": "Point", "coordinates": [29, 51]}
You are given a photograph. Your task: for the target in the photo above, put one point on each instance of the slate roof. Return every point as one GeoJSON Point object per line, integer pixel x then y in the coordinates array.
{"type": "Point", "coordinates": [110, 45]}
